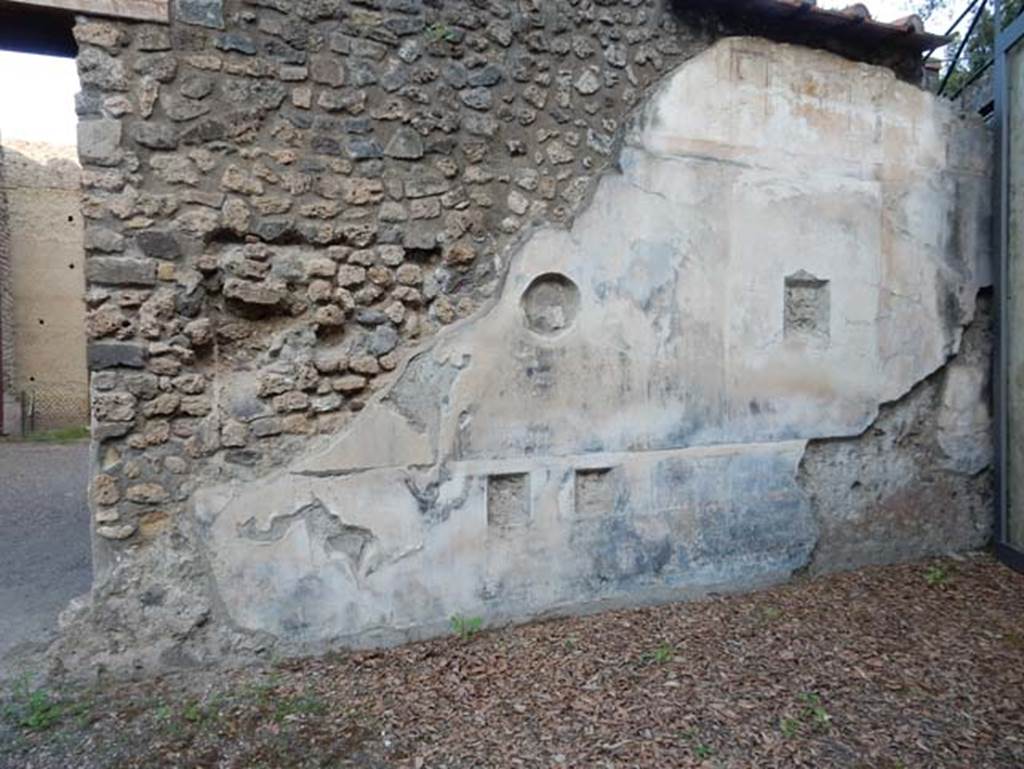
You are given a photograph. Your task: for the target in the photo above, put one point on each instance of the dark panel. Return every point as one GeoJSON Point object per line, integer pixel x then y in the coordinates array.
{"type": "Point", "coordinates": [29, 29]}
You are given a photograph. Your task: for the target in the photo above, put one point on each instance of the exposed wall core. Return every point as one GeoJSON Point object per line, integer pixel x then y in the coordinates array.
{"type": "Point", "coordinates": [426, 309]}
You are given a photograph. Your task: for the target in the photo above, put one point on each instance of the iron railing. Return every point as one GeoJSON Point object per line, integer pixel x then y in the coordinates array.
{"type": "Point", "coordinates": [975, 12]}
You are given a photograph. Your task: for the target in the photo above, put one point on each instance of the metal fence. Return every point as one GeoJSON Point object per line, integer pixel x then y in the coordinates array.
{"type": "Point", "coordinates": [54, 405]}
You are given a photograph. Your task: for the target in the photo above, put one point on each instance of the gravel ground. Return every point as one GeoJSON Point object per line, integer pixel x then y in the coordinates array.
{"type": "Point", "coordinates": [45, 558]}
{"type": "Point", "coordinates": [909, 667]}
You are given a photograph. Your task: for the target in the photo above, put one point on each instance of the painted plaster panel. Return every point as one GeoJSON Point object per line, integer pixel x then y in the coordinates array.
{"type": "Point", "coordinates": [627, 420]}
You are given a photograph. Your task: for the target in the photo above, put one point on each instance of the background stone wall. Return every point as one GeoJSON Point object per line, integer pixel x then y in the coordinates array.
{"type": "Point", "coordinates": [6, 313]}
{"type": "Point", "coordinates": [47, 284]}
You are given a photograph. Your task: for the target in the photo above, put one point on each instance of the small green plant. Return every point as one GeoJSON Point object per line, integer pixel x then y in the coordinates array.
{"type": "Point", "coordinates": [292, 707]}
{"type": "Point", "coordinates": [700, 749]}
{"type": "Point", "coordinates": [664, 653]}
{"type": "Point", "coordinates": [203, 713]}
{"type": "Point", "coordinates": [789, 727]}
{"type": "Point", "coordinates": [936, 575]}
{"type": "Point", "coordinates": [466, 627]}
{"type": "Point", "coordinates": [62, 435]}
{"type": "Point", "coordinates": [438, 32]}
{"type": "Point", "coordinates": [814, 711]}
{"type": "Point", "coordinates": [771, 613]}
{"type": "Point", "coordinates": [261, 688]}
{"type": "Point", "coordinates": [32, 709]}
{"type": "Point", "coordinates": [193, 713]}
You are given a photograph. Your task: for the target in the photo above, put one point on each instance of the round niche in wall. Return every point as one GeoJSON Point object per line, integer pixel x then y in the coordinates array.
{"type": "Point", "coordinates": [550, 303]}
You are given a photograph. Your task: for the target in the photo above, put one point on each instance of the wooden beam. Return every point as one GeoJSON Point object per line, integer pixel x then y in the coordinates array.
{"type": "Point", "coordinates": [141, 10]}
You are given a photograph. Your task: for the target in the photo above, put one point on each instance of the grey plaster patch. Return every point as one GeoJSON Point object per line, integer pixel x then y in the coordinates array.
{"type": "Point", "coordinates": [326, 529]}
{"type": "Point", "coordinates": [419, 395]}
{"type": "Point", "coordinates": [899, 490]}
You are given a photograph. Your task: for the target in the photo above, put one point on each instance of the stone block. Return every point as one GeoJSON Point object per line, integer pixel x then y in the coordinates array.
{"type": "Point", "coordinates": [266, 427]}
{"type": "Point", "coordinates": [263, 293]}
{"type": "Point", "coordinates": [405, 144]}
{"type": "Point", "coordinates": [103, 239]}
{"type": "Point", "coordinates": [99, 34]}
{"type": "Point", "coordinates": [105, 431]}
{"type": "Point", "coordinates": [113, 407]}
{"type": "Point", "coordinates": [99, 142]}
{"type": "Point", "coordinates": [102, 355]}
{"type": "Point", "coordinates": [202, 13]}
{"type": "Point", "coordinates": [122, 532]}
{"type": "Point", "coordinates": [236, 43]}
{"type": "Point", "coordinates": [155, 136]}
{"type": "Point", "coordinates": [327, 69]}
{"type": "Point", "coordinates": [120, 271]}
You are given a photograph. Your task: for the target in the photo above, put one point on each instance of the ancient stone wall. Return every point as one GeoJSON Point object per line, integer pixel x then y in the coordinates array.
{"type": "Point", "coordinates": [402, 309]}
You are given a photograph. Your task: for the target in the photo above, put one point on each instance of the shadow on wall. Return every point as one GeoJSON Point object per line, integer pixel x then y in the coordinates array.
{"type": "Point", "coordinates": [44, 371]}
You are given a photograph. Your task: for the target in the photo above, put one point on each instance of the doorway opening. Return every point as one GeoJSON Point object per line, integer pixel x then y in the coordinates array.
{"type": "Point", "coordinates": [43, 375]}
{"type": "Point", "coordinates": [44, 403]}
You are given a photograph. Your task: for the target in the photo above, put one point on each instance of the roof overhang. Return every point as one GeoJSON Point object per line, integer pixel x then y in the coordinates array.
{"type": "Point", "coordinates": [139, 10]}
{"type": "Point", "coordinates": [852, 24]}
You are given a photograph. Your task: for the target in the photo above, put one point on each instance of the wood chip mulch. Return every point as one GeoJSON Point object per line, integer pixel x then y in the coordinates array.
{"type": "Point", "coordinates": [910, 667]}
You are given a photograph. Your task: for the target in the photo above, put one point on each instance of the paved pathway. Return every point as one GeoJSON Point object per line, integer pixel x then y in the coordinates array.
{"type": "Point", "coordinates": [44, 541]}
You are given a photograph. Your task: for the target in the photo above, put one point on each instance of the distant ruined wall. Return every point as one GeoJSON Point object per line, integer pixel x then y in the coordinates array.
{"type": "Point", "coordinates": [6, 311]}
{"type": "Point", "coordinates": [47, 323]}
{"type": "Point", "coordinates": [403, 309]}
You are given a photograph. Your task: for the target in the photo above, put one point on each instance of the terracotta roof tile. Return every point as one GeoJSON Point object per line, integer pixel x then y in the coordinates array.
{"type": "Point", "coordinates": [853, 22]}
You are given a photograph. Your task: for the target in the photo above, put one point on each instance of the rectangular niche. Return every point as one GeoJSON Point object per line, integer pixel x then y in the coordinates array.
{"type": "Point", "coordinates": [508, 500]}
{"type": "Point", "coordinates": [594, 492]}
{"type": "Point", "coordinates": [808, 311]}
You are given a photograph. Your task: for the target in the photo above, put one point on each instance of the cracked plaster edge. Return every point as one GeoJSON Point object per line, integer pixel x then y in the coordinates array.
{"type": "Point", "coordinates": [629, 137]}
{"type": "Point", "coordinates": [504, 262]}
{"type": "Point", "coordinates": [810, 568]}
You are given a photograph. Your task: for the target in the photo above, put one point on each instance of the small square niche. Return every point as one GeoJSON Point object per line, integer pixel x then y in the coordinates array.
{"type": "Point", "coordinates": [808, 312]}
{"type": "Point", "coordinates": [595, 492]}
{"type": "Point", "coordinates": [508, 500]}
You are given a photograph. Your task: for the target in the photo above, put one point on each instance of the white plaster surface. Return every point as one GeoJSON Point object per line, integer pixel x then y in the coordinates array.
{"type": "Point", "coordinates": [660, 432]}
